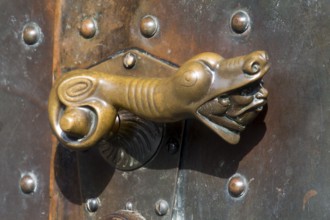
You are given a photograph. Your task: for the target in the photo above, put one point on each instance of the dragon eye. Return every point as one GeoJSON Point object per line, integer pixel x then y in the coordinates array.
{"type": "Point", "coordinates": [255, 67]}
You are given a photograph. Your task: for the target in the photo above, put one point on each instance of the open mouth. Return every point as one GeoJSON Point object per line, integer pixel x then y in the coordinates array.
{"type": "Point", "coordinates": [230, 120]}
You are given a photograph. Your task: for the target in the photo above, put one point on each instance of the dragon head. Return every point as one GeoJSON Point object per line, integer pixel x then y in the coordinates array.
{"type": "Point", "coordinates": [236, 94]}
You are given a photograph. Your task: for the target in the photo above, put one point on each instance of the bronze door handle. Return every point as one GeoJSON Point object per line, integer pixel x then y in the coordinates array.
{"type": "Point", "coordinates": [225, 94]}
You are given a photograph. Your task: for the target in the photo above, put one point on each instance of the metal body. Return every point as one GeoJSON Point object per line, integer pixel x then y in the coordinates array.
{"type": "Point", "coordinates": [279, 170]}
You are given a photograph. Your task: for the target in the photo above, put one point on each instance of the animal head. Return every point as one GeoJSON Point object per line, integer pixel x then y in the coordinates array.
{"type": "Point", "coordinates": [228, 93]}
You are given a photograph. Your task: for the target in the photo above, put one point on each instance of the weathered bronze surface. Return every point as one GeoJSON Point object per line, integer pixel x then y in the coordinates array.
{"type": "Point", "coordinates": [225, 94]}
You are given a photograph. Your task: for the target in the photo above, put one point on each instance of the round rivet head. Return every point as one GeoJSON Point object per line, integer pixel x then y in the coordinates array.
{"type": "Point", "coordinates": [240, 22]}
{"type": "Point", "coordinates": [237, 186]}
{"type": "Point", "coordinates": [129, 60]}
{"type": "Point", "coordinates": [88, 28]}
{"type": "Point", "coordinates": [161, 207]}
{"type": "Point", "coordinates": [149, 26]}
{"type": "Point", "coordinates": [27, 184]}
{"type": "Point", "coordinates": [92, 205]}
{"type": "Point", "coordinates": [31, 33]}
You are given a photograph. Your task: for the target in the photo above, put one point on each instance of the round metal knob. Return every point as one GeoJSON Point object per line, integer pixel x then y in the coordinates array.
{"type": "Point", "coordinates": [76, 122]}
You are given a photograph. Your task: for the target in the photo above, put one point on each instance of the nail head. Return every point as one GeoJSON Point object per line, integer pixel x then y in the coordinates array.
{"type": "Point", "coordinates": [149, 26]}
{"type": "Point", "coordinates": [88, 28]}
{"type": "Point", "coordinates": [237, 186]}
{"type": "Point", "coordinates": [161, 207]}
{"type": "Point", "coordinates": [31, 33]}
{"type": "Point", "coordinates": [27, 184]}
{"type": "Point", "coordinates": [240, 22]}
{"type": "Point", "coordinates": [92, 205]}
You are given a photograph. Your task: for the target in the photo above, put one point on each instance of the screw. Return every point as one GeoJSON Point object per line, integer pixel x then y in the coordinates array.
{"type": "Point", "coordinates": [92, 205]}
{"type": "Point", "coordinates": [31, 34]}
{"type": "Point", "coordinates": [161, 207]}
{"type": "Point", "coordinates": [172, 146]}
{"type": "Point", "coordinates": [28, 183]}
{"type": "Point", "coordinates": [129, 60]}
{"type": "Point", "coordinates": [240, 22]}
{"type": "Point", "coordinates": [88, 28]}
{"type": "Point", "coordinates": [129, 206]}
{"type": "Point", "coordinates": [149, 26]}
{"type": "Point", "coordinates": [237, 186]}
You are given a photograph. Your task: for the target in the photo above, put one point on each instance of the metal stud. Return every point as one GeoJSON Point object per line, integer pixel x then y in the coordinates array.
{"type": "Point", "coordinates": [149, 26]}
{"type": "Point", "coordinates": [161, 207]}
{"type": "Point", "coordinates": [31, 34]}
{"type": "Point", "coordinates": [28, 184]}
{"type": "Point", "coordinates": [240, 22]}
{"type": "Point", "coordinates": [92, 205]}
{"type": "Point", "coordinates": [88, 28]}
{"type": "Point", "coordinates": [237, 186]}
{"type": "Point", "coordinates": [129, 60]}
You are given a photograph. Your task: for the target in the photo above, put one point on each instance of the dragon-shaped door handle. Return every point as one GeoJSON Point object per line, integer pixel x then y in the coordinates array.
{"type": "Point", "coordinates": [225, 94]}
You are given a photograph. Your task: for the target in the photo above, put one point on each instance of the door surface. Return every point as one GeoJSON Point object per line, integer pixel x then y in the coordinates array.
{"type": "Point", "coordinates": [282, 158]}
